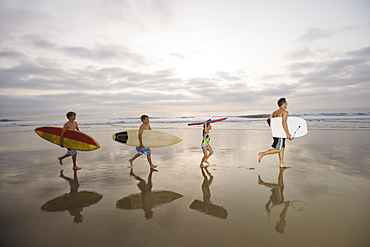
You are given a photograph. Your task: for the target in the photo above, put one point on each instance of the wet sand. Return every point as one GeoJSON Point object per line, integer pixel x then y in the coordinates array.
{"type": "Point", "coordinates": [323, 200]}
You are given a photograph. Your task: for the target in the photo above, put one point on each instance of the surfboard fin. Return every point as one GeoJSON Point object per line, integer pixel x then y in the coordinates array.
{"type": "Point", "coordinates": [295, 132]}
{"type": "Point", "coordinates": [122, 137]}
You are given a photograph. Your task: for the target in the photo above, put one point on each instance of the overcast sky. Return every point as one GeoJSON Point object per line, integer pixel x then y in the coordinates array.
{"type": "Point", "coordinates": [182, 55]}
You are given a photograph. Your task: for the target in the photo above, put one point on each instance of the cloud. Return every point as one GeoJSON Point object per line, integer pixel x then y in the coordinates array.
{"type": "Point", "coordinates": [104, 55]}
{"type": "Point", "coordinates": [97, 52]}
{"type": "Point", "coordinates": [83, 102]}
{"type": "Point", "coordinates": [314, 33]}
{"type": "Point", "coordinates": [103, 52]}
{"type": "Point", "coordinates": [29, 76]}
{"type": "Point", "coordinates": [301, 53]}
{"type": "Point", "coordinates": [343, 81]}
{"type": "Point", "coordinates": [364, 52]}
{"type": "Point", "coordinates": [333, 74]}
{"type": "Point", "coordinates": [11, 54]}
{"type": "Point", "coordinates": [45, 77]}
{"type": "Point", "coordinates": [20, 19]}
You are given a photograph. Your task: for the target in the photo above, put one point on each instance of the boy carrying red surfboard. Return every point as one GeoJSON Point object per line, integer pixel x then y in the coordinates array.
{"type": "Point", "coordinates": [72, 125]}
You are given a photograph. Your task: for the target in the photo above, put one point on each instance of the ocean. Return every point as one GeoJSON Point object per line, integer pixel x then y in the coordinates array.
{"type": "Point", "coordinates": [319, 119]}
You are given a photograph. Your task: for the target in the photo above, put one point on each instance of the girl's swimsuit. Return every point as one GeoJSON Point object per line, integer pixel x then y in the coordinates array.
{"type": "Point", "coordinates": [205, 141]}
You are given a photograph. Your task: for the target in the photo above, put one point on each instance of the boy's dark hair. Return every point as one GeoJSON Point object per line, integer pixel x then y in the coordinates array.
{"type": "Point", "coordinates": [143, 117]}
{"type": "Point", "coordinates": [281, 101]}
{"type": "Point", "coordinates": [70, 114]}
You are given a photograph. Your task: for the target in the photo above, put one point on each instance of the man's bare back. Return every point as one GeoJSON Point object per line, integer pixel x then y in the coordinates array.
{"type": "Point", "coordinates": [280, 113]}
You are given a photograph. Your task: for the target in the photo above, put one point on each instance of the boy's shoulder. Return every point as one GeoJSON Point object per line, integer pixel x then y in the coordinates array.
{"type": "Point", "coordinates": [70, 124]}
{"type": "Point", "coordinates": [145, 126]}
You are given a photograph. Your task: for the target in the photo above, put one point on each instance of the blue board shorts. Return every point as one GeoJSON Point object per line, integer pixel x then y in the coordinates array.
{"type": "Point", "coordinates": [279, 143]}
{"type": "Point", "coordinates": [143, 150]}
{"type": "Point", "coordinates": [71, 152]}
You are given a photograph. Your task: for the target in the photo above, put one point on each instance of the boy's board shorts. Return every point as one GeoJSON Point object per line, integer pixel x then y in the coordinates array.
{"type": "Point", "coordinates": [279, 143]}
{"type": "Point", "coordinates": [71, 152]}
{"type": "Point", "coordinates": [143, 150]}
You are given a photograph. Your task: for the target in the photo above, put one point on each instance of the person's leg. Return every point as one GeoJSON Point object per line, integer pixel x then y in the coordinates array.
{"type": "Point", "coordinates": [74, 160]}
{"type": "Point", "coordinates": [149, 157]}
{"type": "Point", "coordinates": [208, 153]}
{"type": "Point", "coordinates": [267, 152]}
{"type": "Point", "coordinates": [204, 156]}
{"type": "Point", "coordinates": [63, 157]}
{"type": "Point", "coordinates": [133, 158]}
{"type": "Point", "coordinates": [281, 158]}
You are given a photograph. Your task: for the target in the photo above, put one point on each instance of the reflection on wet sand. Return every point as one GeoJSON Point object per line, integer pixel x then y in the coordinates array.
{"type": "Point", "coordinates": [278, 204]}
{"type": "Point", "coordinates": [147, 199]}
{"type": "Point", "coordinates": [74, 201]}
{"type": "Point", "coordinates": [206, 206]}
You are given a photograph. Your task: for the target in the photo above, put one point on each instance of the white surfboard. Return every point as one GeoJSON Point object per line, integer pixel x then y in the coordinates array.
{"type": "Point", "coordinates": [151, 138]}
{"type": "Point", "coordinates": [297, 127]}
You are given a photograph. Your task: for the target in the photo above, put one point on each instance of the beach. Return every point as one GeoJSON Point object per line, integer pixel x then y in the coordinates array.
{"type": "Point", "coordinates": [324, 198]}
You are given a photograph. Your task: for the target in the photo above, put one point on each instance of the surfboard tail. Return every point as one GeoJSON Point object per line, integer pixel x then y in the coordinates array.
{"type": "Point", "coordinates": [121, 137]}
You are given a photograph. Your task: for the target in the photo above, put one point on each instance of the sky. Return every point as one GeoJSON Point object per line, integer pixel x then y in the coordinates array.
{"type": "Point", "coordinates": [126, 56]}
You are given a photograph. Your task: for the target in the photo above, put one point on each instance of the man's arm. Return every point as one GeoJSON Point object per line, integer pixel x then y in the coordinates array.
{"type": "Point", "coordinates": [269, 120]}
{"type": "Point", "coordinates": [285, 125]}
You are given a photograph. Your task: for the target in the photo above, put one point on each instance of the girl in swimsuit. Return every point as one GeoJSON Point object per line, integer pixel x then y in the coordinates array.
{"type": "Point", "coordinates": [206, 147]}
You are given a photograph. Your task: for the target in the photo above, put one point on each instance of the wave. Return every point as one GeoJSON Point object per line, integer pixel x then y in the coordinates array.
{"type": "Point", "coordinates": [255, 116]}
{"type": "Point", "coordinates": [9, 120]}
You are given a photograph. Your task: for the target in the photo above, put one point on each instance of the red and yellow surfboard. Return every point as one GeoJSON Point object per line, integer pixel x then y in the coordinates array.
{"type": "Point", "coordinates": [72, 139]}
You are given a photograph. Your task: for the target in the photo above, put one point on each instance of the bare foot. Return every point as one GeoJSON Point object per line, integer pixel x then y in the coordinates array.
{"type": "Point", "coordinates": [60, 160]}
{"type": "Point", "coordinates": [131, 166]}
{"type": "Point", "coordinates": [76, 168]}
{"type": "Point", "coordinates": [284, 166]}
{"type": "Point", "coordinates": [153, 166]}
{"type": "Point", "coordinates": [203, 166]}
{"type": "Point", "coordinates": [259, 157]}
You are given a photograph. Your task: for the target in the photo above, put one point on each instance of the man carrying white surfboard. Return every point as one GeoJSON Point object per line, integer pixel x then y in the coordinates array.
{"type": "Point", "coordinates": [278, 145]}
{"type": "Point", "coordinates": [141, 149]}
